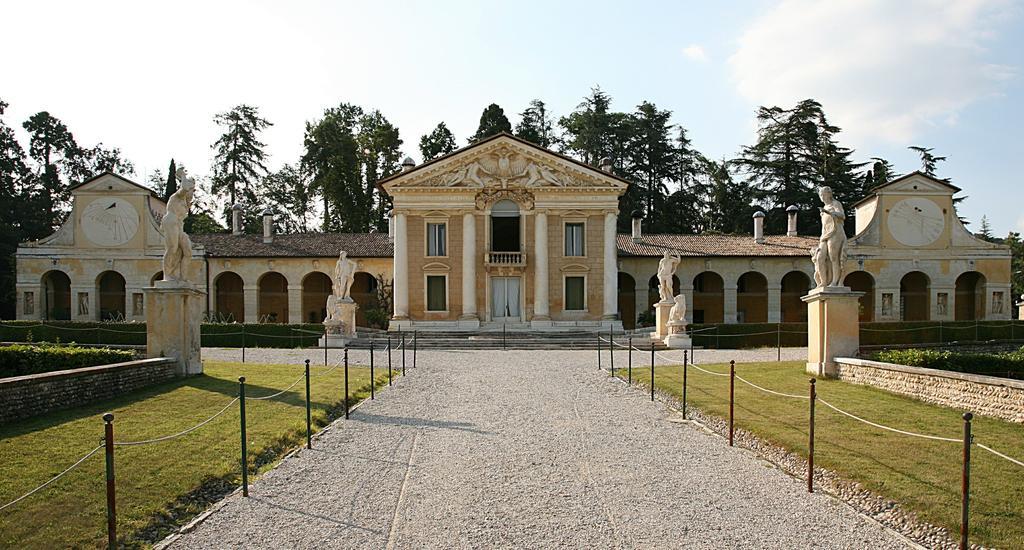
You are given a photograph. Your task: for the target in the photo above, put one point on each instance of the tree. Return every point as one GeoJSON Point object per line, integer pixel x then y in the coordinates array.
{"type": "Point", "coordinates": [440, 141]}
{"type": "Point", "coordinates": [100, 159]}
{"type": "Point", "coordinates": [201, 218]}
{"type": "Point", "coordinates": [287, 192]}
{"type": "Point", "coordinates": [593, 131]}
{"type": "Point", "coordinates": [380, 148]}
{"type": "Point", "coordinates": [729, 206]}
{"type": "Point", "coordinates": [652, 160]}
{"type": "Point", "coordinates": [1016, 244]}
{"type": "Point", "coordinates": [928, 160]}
{"type": "Point", "coordinates": [239, 161]}
{"type": "Point", "coordinates": [55, 153]}
{"type": "Point", "coordinates": [172, 181]}
{"type": "Point", "coordinates": [492, 121]}
{"type": "Point", "coordinates": [19, 212]}
{"type": "Point", "coordinates": [536, 125]}
{"type": "Point", "coordinates": [157, 182]}
{"type": "Point", "coordinates": [986, 231]}
{"type": "Point", "coordinates": [331, 159]}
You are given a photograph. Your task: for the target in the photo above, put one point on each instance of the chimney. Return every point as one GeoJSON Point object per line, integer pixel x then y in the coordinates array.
{"type": "Point", "coordinates": [606, 164]}
{"type": "Point", "coordinates": [236, 219]}
{"type": "Point", "coordinates": [408, 164]}
{"type": "Point", "coordinates": [791, 226]}
{"type": "Point", "coordinates": [391, 225]}
{"type": "Point", "coordinates": [759, 227]}
{"type": "Point", "coordinates": [268, 225]}
{"type": "Point", "coordinates": [638, 217]}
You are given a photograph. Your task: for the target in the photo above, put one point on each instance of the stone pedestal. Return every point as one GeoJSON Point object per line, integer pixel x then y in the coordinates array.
{"type": "Point", "coordinates": [174, 315]}
{"type": "Point", "coordinates": [341, 329]}
{"type": "Point", "coordinates": [833, 328]}
{"type": "Point", "coordinates": [677, 338]}
{"type": "Point", "coordinates": [661, 311]}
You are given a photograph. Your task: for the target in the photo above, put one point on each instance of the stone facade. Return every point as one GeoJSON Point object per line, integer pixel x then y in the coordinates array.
{"type": "Point", "coordinates": [34, 394]}
{"type": "Point", "coordinates": [985, 395]}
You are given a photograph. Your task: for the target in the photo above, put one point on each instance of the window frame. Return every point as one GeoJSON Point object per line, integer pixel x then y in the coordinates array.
{"type": "Point", "coordinates": [582, 222]}
{"type": "Point", "coordinates": [565, 292]}
{"type": "Point", "coordinates": [426, 293]}
{"type": "Point", "coordinates": [427, 223]}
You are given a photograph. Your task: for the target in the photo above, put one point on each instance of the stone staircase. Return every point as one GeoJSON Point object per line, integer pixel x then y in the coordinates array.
{"type": "Point", "coordinates": [498, 340]}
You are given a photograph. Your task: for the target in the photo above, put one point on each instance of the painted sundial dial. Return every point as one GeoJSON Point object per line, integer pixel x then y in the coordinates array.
{"type": "Point", "coordinates": [916, 221]}
{"type": "Point", "coordinates": [110, 221]}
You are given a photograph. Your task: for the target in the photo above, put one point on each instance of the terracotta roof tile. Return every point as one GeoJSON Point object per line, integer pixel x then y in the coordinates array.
{"type": "Point", "coordinates": [311, 245]}
{"type": "Point", "coordinates": [715, 245]}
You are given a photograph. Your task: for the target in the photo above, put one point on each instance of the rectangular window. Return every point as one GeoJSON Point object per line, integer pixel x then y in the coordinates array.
{"type": "Point", "coordinates": [574, 239]}
{"type": "Point", "coordinates": [575, 290]}
{"type": "Point", "coordinates": [437, 299]}
{"type": "Point", "coordinates": [436, 243]}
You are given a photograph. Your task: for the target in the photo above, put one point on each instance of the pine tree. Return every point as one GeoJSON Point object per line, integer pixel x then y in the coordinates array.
{"type": "Point", "coordinates": [652, 159]}
{"type": "Point", "coordinates": [380, 148]}
{"type": "Point", "coordinates": [239, 161]}
{"type": "Point", "coordinates": [100, 159]}
{"type": "Point", "coordinates": [536, 125]}
{"type": "Point", "coordinates": [928, 160]}
{"type": "Point", "coordinates": [492, 121]}
{"type": "Point", "coordinates": [440, 141]}
{"type": "Point", "coordinates": [593, 131]}
{"type": "Point", "coordinates": [56, 154]}
{"type": "Point", "coordinates": [172, 181]}
{"type": "Point", "coordinates": [19, 212]}
{"type": "Point", "coordinates": [287, 193]}
{"type": "Point", "coordinates": [331, 159]}
{"type": "Point", "coordinates": [986, 230]}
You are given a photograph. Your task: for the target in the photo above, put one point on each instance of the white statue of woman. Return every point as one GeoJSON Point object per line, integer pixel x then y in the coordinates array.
{"type": "Point", "coordinates": [344, 275]}
{"type": "Point", "coordinates": [666, 270]}
{"type": "Point", "coordinates": [832, 241]}
{"type": "Point", "coordinates": [177, 245]}
{"type": "Point", "coordinates": [678, 311]}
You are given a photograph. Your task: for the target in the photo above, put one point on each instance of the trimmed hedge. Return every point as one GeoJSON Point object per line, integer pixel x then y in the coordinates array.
{"type": "Point", "coordinates": [231, 335]}
{"type": "Point", "coordinates": [19, 360]}
{"type": "Point", "coordinates": [1007, 365]}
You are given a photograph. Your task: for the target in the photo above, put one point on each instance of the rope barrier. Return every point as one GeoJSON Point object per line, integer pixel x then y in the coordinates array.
{"type": "Point", "coordinates": [177, 435]}
{"type": "Point", "coordinates": [1001, 455]}
{"type": "Point", "coordinates": [883, 427]}
{"type": "Point", "coordinates": [749, 383]}
{"type": "Point", "coordinates": [273, 395]}
{"type": "Point", "coordinates": [52, 479]}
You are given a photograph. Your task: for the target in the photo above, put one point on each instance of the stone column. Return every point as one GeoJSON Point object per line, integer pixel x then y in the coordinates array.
{"type": "Point", "coordinates": [401, 275]}
{"type": "Point", "coordinates": [775, 304]}
{"type": "Point", "coordinates": [250, 301]}
{"type": "Point", "coordinates": [541, 309]}
{"type": "Point", "coordinates": [611, 268]}
{"type": "Point", "coordinates": [469, 260]}
{"type": "Point", "coordinates": [729, 300]}
{"type": "Point", "coordinates": [295, 304]}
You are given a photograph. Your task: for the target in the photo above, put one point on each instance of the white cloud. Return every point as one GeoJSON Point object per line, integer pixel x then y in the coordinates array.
{"type": "Point", "coordinates": [883, 70]}
{"type": "Point", "coordinates": [695, 52]}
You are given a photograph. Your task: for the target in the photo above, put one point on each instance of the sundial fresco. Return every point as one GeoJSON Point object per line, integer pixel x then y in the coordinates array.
{"type": "Point", "coordinates": [110, 222]}
{"type": "Point", "coordinates": [916, 221]}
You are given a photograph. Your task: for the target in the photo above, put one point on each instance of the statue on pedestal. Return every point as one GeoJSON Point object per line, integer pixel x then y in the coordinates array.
{"type": "Point", "coordinates": [340, 307]}
{"type": "Point", "coordinates": [177, 245]}
{"type": "Point", "coordinates": [677, 315]}
{"type": "Point", "coordinates": [666, 270]}
{"type": "Point", "coordinates": [829, 256]}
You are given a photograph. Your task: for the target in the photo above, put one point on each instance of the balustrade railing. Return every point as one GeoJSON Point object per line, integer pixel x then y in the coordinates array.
{"type": "Point", "coordinates": [505, 258]}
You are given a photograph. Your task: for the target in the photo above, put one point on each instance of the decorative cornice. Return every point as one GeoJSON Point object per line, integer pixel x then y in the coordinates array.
{"type": "Point", "coordinates": [487, 197]}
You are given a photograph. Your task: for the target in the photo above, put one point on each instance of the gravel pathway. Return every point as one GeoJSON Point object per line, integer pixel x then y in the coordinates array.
{"type": "Point", "coordinates": [526, 449]}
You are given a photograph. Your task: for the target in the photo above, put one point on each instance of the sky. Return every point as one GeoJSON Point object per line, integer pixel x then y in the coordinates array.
{"type": "Point", "coordinates": [148, 77]}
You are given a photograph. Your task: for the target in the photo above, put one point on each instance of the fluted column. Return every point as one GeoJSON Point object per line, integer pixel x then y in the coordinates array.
{"type": "Point", "coordinates": [541, 309]}
{"type": "Point", "coordinates": [469, 260]}
{"type": "Point", "coordinates": [611, 270]}
{"type": "Point", "coordinates": [401, 275]}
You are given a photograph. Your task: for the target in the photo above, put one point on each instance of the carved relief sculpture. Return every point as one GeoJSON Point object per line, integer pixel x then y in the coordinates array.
{"type": "Point", "coordinates": [505, 167]}
{"type": "Point", "coordinates": [829, 256]}
{"type": "Point", "coordinates": [666, 270]}
{"type": "Point", "coordinates": [177, 245]}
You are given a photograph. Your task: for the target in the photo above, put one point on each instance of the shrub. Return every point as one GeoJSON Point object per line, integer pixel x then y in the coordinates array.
{"type": "Point", "coordinates": [18, 360]}
{"type": "Point", "coordinates": [1007, 365]}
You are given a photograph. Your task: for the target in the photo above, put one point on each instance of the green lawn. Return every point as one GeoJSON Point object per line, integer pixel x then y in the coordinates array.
{"type": "Point", "coordinates": [161, 484]}
{"type": "Point", "coordinates": [922, 475]}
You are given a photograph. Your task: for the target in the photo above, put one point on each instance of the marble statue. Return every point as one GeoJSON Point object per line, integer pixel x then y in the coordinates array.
{"type": "Point", "coordinates": [341, 310]}
{"type": "Point", "coordinates": [831, 254]}
{"type": "Point", "coordinates": [678, 311]}
{"type": "Point", "coordinates": [344, 275]}
{"type": "Point", "coordinates": [666, 270]}
{"type": "Point", "coordinates": [177, 245]}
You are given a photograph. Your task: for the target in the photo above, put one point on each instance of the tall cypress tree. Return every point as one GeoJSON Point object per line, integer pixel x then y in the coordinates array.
{"type": "Point", "coordinates": [172, 181]}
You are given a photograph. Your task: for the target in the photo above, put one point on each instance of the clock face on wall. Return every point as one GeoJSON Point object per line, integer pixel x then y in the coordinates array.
{"type": "Point", "coordinates": [916, 221]}
{"type": "Point", "coordinates": [110, 222]}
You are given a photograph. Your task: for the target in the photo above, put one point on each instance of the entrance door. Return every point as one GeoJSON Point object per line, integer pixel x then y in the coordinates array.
{"type": "Point", "coordinates": [505, 299]}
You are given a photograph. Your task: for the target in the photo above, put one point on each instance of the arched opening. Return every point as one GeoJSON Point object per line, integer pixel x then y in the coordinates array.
{"type": "Point", "coordinates": [752, 298]}
{"type": "Point", "coordinates": [795, 285]}
{"type": "Point", "coordinates": [862, 281]}
{"type": "Point", "coordinates": [316, 287]}
{"type": "Point", "coordinates": [970, 296]}
{"type": "Point", "coordinates": [627, 300]}
{"type": "Point", "coordinates": [229, 298]}
{"type": "Point", "coordinates": [272, 298]}
{"type": "Point", "coordinates": [159, 276]}
{"type": "Point", "coordinates": [708, 298]}
{"type": "Point", "coordinates": [112, 295]}
{"type": "Point", "coordinates": [654, 291]}
{"type": "Point", "coordinates": [505, 227]}
{"type": "Point", "coordinates": [56, 296]}
{"type": "Point", "coordinates": [915, 302]}
{"type": "Point", "coordinates": [371, 312]}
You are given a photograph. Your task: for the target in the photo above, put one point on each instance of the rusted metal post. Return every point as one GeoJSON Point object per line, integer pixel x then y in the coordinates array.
{"type": "Point", "coordinates": [685, 361]}
{"type": "Point", "coordinates": [810, 439]}
{"type": "Point", "coordinates": [245, 453]}
{"type": "Point", "coordinates": [629, 360]}
{"type": "Point", "coordinates": [309, 412]}
{"type": "Point", "coordinates": [965, 487]}
{"type": "Point", "coordinates": [108, 444]}
{"type": "Point", "coordinates": [389, 359]}
{"type": "Point", "coordinates": [778, 341]}
{"type": "Point", "coordinates": [373, 381]}
{"type": "Point", "coordinates": [345, 399]}
{"type": "Point", "coordinates": [598, 351]}
{"type": "Point", "coordinates": [732, 396]}
{"type": "Point", "coordinates": [415, 340]}
{"type": "Point", "coordinates": [611, 349]}
{"type": "Point", "coordinates": [652, 370]}
{"type": "Point", "coordinates": [403, 352]}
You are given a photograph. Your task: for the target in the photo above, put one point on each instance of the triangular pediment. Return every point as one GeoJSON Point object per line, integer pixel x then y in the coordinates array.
{"type": "Point", "coordinates": [503, 162]}
{"type": "Point", "coordinates": [919, 183]}
{"type": "Point", "coordinates": [109, 182]}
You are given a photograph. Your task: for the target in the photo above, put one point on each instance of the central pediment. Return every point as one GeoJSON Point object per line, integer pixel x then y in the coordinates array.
{"type": "Point", "coordinates": [503, 162]}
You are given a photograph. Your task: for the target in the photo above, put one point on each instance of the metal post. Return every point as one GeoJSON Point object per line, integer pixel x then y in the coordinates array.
{"type": "Point", "coordinates": [692, 356]}
{"type": "Point", "coordinates": [966, 484]}
{"type": "Point", "coordinates": [629, 359]}
{"type": "Point", "coordinates": [403, 352]}
{"type": "Point", "coordinates": [108, 444]}
{"type": "Point", "coordinates": [415, 338]}
{"type": "Point", "coordinates": [598, 351]}
{"type": "Point", "coordinates": [245, 453]}
{"type": "Point", "coordinates": [732, 396]}
{"type": "Point", "coordinates": [810, 440]}
{"type": "Point", "coordinates": [685, 365]}
{"type": "Point", "coordinates": [373, 381]}
{"type": "Point", "coordinates": [778, 341]}
{"type": "Point", "coordinates": [327, 344]}
{"type": "Point", "coordinates": [309, 412]}
{"type": "Point", "coordinates": [611, 350]}
{"type": "Point", "coordinates": [389, 359]}
{"type": "Point", "coordinates": [942, 339]}
{"type": "Point", "coordinates": [652, 370]}
{"type": "Point", "coordinates": [345, 399]}
{"type": "Point", "coordinates": [243, 342]}
{"type": "Point", "coordinates": [503, 343]}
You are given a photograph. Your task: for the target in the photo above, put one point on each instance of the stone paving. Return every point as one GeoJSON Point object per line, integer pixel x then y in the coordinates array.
{"type": "Point", "coordinates": [526, 449]}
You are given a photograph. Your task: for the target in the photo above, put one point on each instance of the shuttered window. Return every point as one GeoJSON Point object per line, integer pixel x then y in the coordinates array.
{"type": "Point", "coordinates": [574, 293]}
{"type": "Point", "coordinates": [437, 299]}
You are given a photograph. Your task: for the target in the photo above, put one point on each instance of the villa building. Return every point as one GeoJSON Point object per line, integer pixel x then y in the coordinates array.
{"type": "Point", "coordinates": [504, 232]}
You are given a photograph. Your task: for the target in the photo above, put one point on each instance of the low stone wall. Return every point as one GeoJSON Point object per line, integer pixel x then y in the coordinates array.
{"type": "Point", "coordinates": [30, 395]}
{"type": "Point", "coordinates": [985, 395]}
